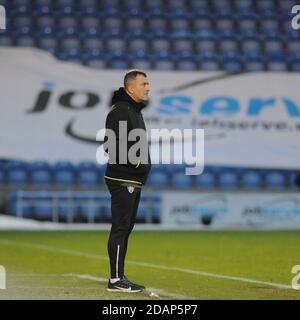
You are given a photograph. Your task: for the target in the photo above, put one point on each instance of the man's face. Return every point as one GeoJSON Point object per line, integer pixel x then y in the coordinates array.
{"type": "Point", "coordinates": [139, 88]}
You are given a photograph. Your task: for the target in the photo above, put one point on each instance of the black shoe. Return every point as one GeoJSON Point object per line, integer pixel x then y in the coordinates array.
{"type": "Point", "coordinates": [123, 285]}
{"type": "Point", "coordinates": [138, 285]}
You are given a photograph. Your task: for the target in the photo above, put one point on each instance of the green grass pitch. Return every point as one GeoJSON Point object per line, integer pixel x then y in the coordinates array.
{"type": "Point", "coordinates": [174, 264]}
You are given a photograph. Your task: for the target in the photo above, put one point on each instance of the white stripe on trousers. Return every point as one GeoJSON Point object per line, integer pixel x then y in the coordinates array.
{"type": "Point", "coordinates": [117, 269]}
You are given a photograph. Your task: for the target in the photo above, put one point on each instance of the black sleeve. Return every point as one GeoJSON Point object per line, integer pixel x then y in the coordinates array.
{"type": "Point", "coordinates": [112, 122]}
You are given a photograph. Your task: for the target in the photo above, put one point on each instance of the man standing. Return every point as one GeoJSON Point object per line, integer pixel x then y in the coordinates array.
{"type": "Point", "coordinates": [124, 179]}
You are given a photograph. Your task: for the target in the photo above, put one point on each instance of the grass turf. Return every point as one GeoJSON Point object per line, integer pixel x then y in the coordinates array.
{"type": "Point", "coordinates": [48, 265]}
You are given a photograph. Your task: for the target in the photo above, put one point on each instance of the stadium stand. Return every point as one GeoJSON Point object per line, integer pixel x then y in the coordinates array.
{"type": "Point", "coordinates": [230, 35]}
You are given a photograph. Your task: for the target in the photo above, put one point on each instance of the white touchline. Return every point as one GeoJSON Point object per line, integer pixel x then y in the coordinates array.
{"type": "Point", "coordinates": [159, 291]}
{"type": "Point", "coordinates": [145, 264]}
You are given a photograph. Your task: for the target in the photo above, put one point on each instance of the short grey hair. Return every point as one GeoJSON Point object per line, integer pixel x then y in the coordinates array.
{"type": "Point", "coordinates": [131, 75]}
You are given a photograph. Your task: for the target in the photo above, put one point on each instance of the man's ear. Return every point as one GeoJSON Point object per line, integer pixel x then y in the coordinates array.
{"type": "Point", "coordinates": [130, 88]}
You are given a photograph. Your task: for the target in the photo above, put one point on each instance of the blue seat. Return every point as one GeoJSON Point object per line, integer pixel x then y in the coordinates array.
{"type": "Point", "coordinates": [209, 61]}
{"type": "Point", "coordinates": [276, 62]}
{"type": "Point", "coordinates": [250, 41]}
{"type": "Point", "coordinates": [160, 44]}
{"type": "Point", "coordinates": [201, 20]}
{"type": "Point", "coordinates": [87, 174]}
{"type": "Point", "coordinates": [275, 180]}
{"type": "Point", "coordinates": [181, 181]}
{"type": "Point", "coordinates": [205, 180]}
{"type": "Point", "coordinates": [142, 63]}
{"type": "Point", "coordinates": [118, 61]}
{"type": "Point", "coordinates": [294, 62]}
{"type": "Point", "coordinates": [205, 40]}
{"type": "Point", "coordinates": [17, 173]}
{"type": "Point", "coordinates": [269, 21]}
{"type": "Point", "coordinates": [182, 41]}
{"type": "Point", "coordinates": [91, 212]}
{"type": "Point", "coordinates": [24, 41]}
{"type": "Point", "coordinates": [2, 173]}
{"type": "Point", "coordinates": [254, 62]}
{"type": "Point", "coordinates": [242, 5]}
{"type": "Point", "coordinates": [71, 55]}
{"type": "Point", "coordinates": [163, 62]}
{"type": "Point", "coordinates": [40, 173]}
{"type": "Point", "coordinates": [224, 21]}
{"type": "Point", "coordinates": [49, 43]}
{"type": "Point", "coordinates": [135, 23]}
{"type": "Point", "coordinates": [158, 180]}
{"type": "Point", "coordinates": [227, 41]}
{"type": "Point", "coordinates": [231, 62]}
{"type": "Point", "coordinates": [157, 24]}
{"type": "Point", "coordinates": [93, 43]}
{"type": "Point", "coordinates": [64, 173]}
{"type": "Point", "coordinates": [20, 205]}
{"type": "Point", "coordinates": [251, 179]}
{"type": "Point", "coordinates": [293, 42]}
{"type": "Point", "coordinates": [219, 5]}
{"type": "Point", "coordinates": [23, 21]}
{"type": "Point", "coordinates": [291, 179]}
{"type": "Point", "coordinates": [263, 5]}
{"type": "Point", "coordinates": [70, 31]}
{"type": "Point", "coordinates": [88, 6]}
{"type": "Point", "coordinates": [70, 44]}
{"type": "Point", "coordinates": [247, 22]}
{"type": "Point", "coordinates": [142, 212]}
{"type": "Point", "coordinates": [42, 203]}
{"type": "Point", "coordinates": [138, 43]}
{"type": "Point", "coordinates": [228, 179]}
{"type": "Point", "coordinates": [180, 23]}
{"type": "Point", "coordinates": [197, 5]}
{"type": "Point", "coordinates": [273, 42]}
{"type": "Point", "coordinates": [113, 24]}
{"type": "Point", "coordinates": [116, 43]}
{"type": "Point", "coordinates": [186, 61]}
{"type": "Point", "coordinates": [41, 10]}
{"type": "Point", "coordinates": [6, 38]}
{"type": "Point", "coordinates": [43, 211]}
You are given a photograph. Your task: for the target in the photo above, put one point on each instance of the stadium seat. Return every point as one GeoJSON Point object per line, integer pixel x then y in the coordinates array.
{"type": "Point", "coordinates": [224, 21]}
{"type": "Point", "coordinates": [206, 180]}
{"type": "Point", "coordinates": [228, 179]}
{"type": "Point", "coordinates": [269, 21]}
{"type": "Point", "coordinates": [251, 179]}
{"type": "Point", "coordinates": [231, 62]}
{"type": "Point", "coordinates": [17, 173]}
{"type": "Point", "coordinates": [254, 62]}
{"type": "Point", "coordinates": [205, 41]}
{"type": "Point", "coordinates": [158, 180]}
{"type": "Point", "coordinates": [87, 174]}
{"type": "Point", "coordinates": [182, 181]}
{"type": "Point", "coordinates": [42, 204]}
{"type": "Point", "coordinates": [19, 204]}
{"type": "Point", "coordinates": [227, 41]}
{"type": "Point", "coordinates": [208, 61]}
{"type": "Point", "coordinates": [64, 174]}
{"type": "Point", "coordinates": [40, 173]}
{"type": "Point", "coordinates": [276, 62]}
{"type": "Point", "coordinates": [247, 22]}
{"type": "Point", "coordinates": [275, 180]}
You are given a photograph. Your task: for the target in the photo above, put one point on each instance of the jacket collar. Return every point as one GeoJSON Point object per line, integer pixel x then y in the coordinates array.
{"type": "Point", "coordinates": [121, 95]}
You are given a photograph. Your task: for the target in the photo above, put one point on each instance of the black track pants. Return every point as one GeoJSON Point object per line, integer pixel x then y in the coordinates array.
{"type": "Point", "coordinates": [124, 207]}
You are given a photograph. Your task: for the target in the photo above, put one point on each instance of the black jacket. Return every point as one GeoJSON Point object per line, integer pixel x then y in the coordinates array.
{"type": "Point", "coordinates": [124, 108]}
